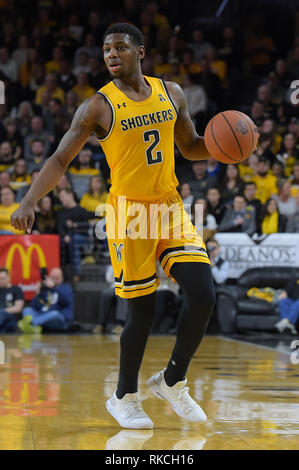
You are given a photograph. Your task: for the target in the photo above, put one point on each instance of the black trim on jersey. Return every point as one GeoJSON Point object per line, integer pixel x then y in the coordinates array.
{"type": "Point", "coordinates": [134, 290]}
{"type": "Point", "coordinates": [184, 254]}
{"type": "Point", "coordinates": [112, 112]}
{"type": "Point", "coordinates": [186, 248]}
{"type": "Point", "coordinates": [132, 283]}
{"type": "Point", "coordinates": [168, 94]}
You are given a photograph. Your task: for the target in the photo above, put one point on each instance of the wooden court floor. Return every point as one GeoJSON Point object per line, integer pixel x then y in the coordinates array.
{"type": "Point", "coordinates": [53, 391]}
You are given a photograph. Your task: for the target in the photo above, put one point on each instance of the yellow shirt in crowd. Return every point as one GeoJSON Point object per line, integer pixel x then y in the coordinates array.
{"type": "Point", "coordinates": [83, 92]}
{"type": "Point", "coordinates": [246, 172]}
{"type": "Point", "coordinates": [5, 213]}
{"type": "Point", "coordinates": [265, 187]}
{"type": "Point", "coordinates": [91, 201]}
{"type": "Point", "coordinates": [84, 171]}
{"type": "Point", "coordinates": [270, 223]}
{"type": "Point", "coordinates": [58, 93]}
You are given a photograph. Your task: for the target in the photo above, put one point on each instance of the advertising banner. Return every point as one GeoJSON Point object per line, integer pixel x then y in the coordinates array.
{"type": "Point", "coordinates": [25, 255]}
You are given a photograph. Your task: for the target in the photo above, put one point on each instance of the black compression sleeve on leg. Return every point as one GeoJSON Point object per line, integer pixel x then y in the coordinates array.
{"type": "Point", "coordinates": [196, 281]}
{"type": "Point", "coordinates": [133, 341]}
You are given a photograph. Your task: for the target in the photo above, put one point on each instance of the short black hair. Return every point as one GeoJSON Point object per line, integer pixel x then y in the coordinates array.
{"type": "Point", "coordinates": [250, 183]}
{"type": "Point", "coordinates": [125, 28]}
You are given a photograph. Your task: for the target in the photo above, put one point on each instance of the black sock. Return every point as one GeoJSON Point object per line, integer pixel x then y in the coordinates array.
{"type": "Point", "coordinates": [175, 372]}
{"type": "Point", "coordinates": [196, 281]}
{"type": "Point", "coordinates": [133, 341]}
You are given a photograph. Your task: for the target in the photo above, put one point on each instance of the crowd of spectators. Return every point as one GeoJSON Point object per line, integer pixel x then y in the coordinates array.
{"type": "Point", "coordinates": [51, 61]}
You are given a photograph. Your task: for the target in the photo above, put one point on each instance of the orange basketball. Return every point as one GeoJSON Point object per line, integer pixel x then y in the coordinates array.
{"type": "Point", "coordinates": [231, 137]}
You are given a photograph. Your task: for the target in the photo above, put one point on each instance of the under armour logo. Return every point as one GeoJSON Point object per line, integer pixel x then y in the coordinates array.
{"type": "Point", "coordinates": [173, 363]}
{"type": "Point", "coordinates": [118, 251]}
{"type": "Point", "coordinates": [161, 98]}
{"type": "Point", "coordinates": [120, 105]}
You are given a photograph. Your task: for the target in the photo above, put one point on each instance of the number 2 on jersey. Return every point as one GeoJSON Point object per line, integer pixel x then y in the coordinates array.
{"type": "Point", "coordinates": [157, 156]}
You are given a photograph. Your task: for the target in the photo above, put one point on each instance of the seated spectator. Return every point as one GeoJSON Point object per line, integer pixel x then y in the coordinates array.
{"type": "Point", "coordinates": [257, 112]}
{"type": "Point", "coordinates": [201, 182]}
{"type": "Point", "coordinates": [213, 167]}
{"type": "Point", "coordinates": [247, 172]}
{"type": "Point", "coordinates": [264, 97]}
{"type": "Point", "coordinates": [7, 157]}
{"type": "Point", "coordinates": [161, 66]}
{"type": "Point", "coordinates": [217, 65]}
{"type": "Point", "coordinates": [198, 45]}
{"type": "Point", "coordinates": [82, 64]}
{"type": "Point", "coordinates": [81, 171]}
{"type": "Point", "coordinates": [294, 180]}
{"type": "Point", "coordinates": [11, 303]}
{"type": "Point", "coordinates": [268, 132]}
{"type": "Point", "coordinates": [8, 66]}
{"type": "Point", "coordinates": [288, 153]}
{"type": "Point", "coordinates": [265, 183]}
{"type": "Point", "coordinates": [20, 55]}
{"type": "Point", "coordinates": [54, 117]}
{"type": "Point", "coordinates": [288, 306]}
{"type": "Point", "coordinates": [204, 223]}
{"type": "Point", "coordinates": [231, 184]}
{"type": "Point", "coordinates": [66, 79]}
{"type": "Point", "coordinates": [7, 207]}
{"type": "Point", "coordinates": [20, 177]}
{"type": "Point", "coordinates": [96, 76]}
{"type": "Point", "coordinates": [271, 219]}
{"type": "Point", "coordinates": [4, 179]}
{"type": "Point", "coordinates": [36, 156]}
{"type": "Point", "coordinates": [12, 135]}
{"type": "Point", "coordinates": [277, 169]}
{"type": "Point", "coordinates": [64, 183]}
{"type": "Point", "coordinates": [264, 148]}
{"type": "Point", "coordinates": [215, 205]}
{"type": "Point", "coordinates": [24, 115]}
{"type": "Point", "coordinates": [28, 68]}
{"type": "Point", "coordinates": [72, 224]}
{"type": "Point", "coordinates": [89, 47]}
{"type": "Point", "coordinates": [286, 203]}
{"type": "Point", "coordinates": [251, 200]}
{"type": "Point", "coordinates": [211, 83]}
{"type": "Point", "coordinates": [82, 88]}
{"type": "Point", "coordinates": [241, 218]}
{"type": "Point", "coordinates": [45, 221]}
{"type": "Point", "coordinates": [52, 308]}
{"type": "Point", "coordinates": [96, 194]}
{"type": "Point", "coordinates": [55, 64]}
{"type": "Point", "coordinates": [293, 222]}
{"type": "Point", "coordinates": [196, 99]}
{"type": "Point", "coordinates": [188, 66]}
{"type": "Point", "coordinates": [24, 189]}
{"type": "Point", "coordinates": [187, 196]}
{"type": "Point", "coordinates": [71, 104]}
{"type": "Point", "coordinates": [38, 132]}
{"type": "Point", "coordinates": [50, 86]}
{"type": "Point", "coordinates": [219, 267]}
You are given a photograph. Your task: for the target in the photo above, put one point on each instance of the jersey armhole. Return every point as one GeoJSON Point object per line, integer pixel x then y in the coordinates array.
{"type": "Point", "coordinates": [113, 117]}
{"type": "Point", "coordinates": [168, 94]}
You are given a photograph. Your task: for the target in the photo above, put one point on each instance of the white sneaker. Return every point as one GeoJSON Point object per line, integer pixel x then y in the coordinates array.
{"type": "Point", "coordinates": [129, 439]}
{"type": "Point", "coordinates": [178, 397]}
{"type": "Point", "coordinates": [128, 411]}
{"type": "Point", "coordinates": [285, 324]}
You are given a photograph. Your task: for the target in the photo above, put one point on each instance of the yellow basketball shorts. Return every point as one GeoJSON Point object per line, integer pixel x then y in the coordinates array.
{"type": "Point", "coordinates": [141, 232]}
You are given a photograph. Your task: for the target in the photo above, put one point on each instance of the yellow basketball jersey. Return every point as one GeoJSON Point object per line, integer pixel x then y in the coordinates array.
{"type": "Point", "coordinates": [139, 146]}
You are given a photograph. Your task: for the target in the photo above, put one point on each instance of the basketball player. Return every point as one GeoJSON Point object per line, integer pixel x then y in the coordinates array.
{"type": "Point", "coordinates": [137, 119]}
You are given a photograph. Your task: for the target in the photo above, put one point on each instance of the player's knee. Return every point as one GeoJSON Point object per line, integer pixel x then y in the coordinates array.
{"type": "Point", "coordinates": [203, 299]}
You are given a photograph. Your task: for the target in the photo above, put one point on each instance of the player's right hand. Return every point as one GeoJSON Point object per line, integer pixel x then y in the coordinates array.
{"type": "Point", "coordinates": [23, 217]}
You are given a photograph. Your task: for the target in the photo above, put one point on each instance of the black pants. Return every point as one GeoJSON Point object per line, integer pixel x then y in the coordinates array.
{"type": "Point", "coordinates": [195, 280]}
